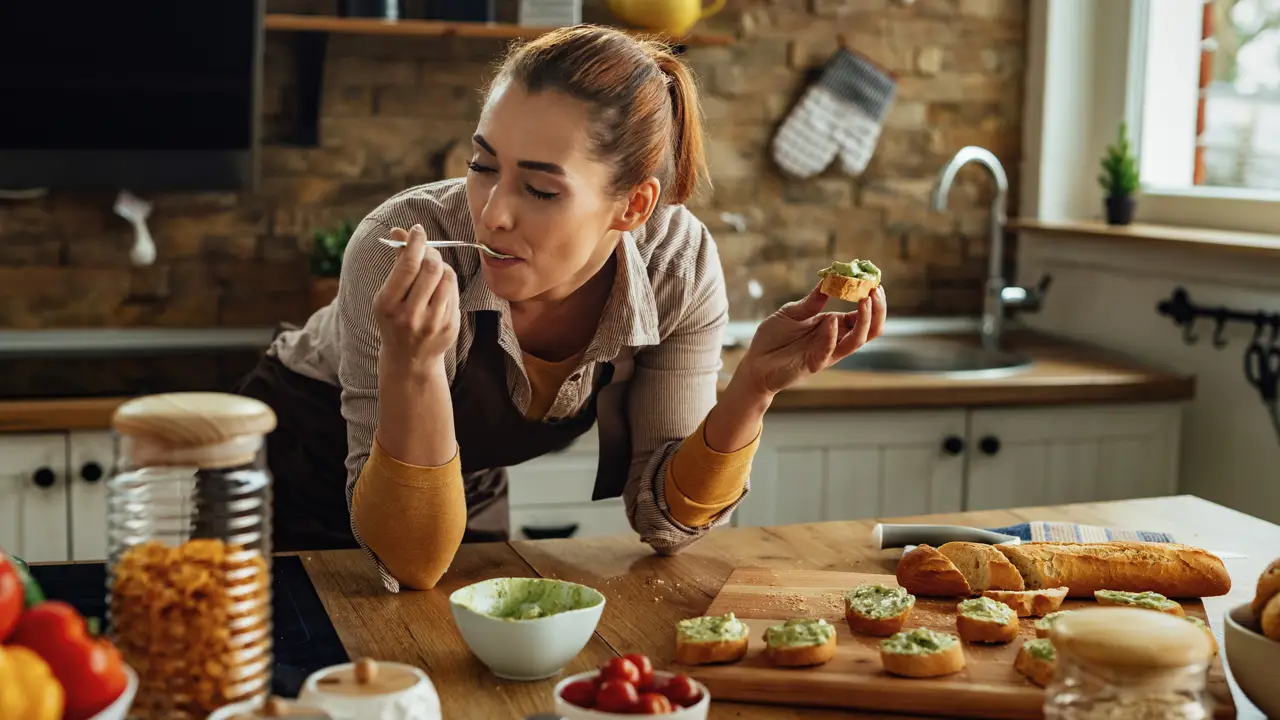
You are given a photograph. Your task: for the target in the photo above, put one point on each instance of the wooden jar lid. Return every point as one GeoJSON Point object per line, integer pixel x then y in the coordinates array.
{"type": "Point", "coordinates": [1134, 639]}
{"type": "Point", "coordinates": [366, 677]}
{"type": "Point", "coordinates": [200, 428]}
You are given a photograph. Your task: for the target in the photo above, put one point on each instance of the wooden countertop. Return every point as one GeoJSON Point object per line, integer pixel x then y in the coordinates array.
{"type": "Point", "coordinates": [1062, 373]}
{"type": "Point", "coordinates": [647, 594]}
{"type": "Point", "coordinates": [1191, 238]}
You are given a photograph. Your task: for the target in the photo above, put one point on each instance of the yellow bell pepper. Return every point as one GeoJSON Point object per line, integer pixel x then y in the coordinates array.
{"type": "Point", "coordinates": [28, 689]}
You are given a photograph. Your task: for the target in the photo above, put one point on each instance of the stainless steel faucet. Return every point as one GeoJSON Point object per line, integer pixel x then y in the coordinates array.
{"type": "Point", "coordinates": [997, 295]}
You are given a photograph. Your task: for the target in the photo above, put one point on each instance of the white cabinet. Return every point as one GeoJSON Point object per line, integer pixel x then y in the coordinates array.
{"type": "Point", "coordinates": [550, 496]}
{"type": "Point", "coordinates": [91, 458]}
{"type": "Point", "coordinates": [33, 496]}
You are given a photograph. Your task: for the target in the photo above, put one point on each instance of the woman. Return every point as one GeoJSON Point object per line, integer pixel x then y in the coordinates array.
{"type": "Point", "coordinates": [433, 370]}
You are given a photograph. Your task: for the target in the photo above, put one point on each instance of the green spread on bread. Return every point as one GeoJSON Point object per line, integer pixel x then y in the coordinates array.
{"type": "Point", "coordinates": [1149, 600]}
{"type": "Point", "coordinates": [712, 628]}
{"type": "Point", "coordinates": [800, 632]}
{"type": "Point", "coordinates": [918, 641]}
{"type": "Point", "coordinates": [1196, 621]}
{"type": "Point", "coordinates": [1041, 649]}
{"type": "Point", "coordinates": [984, 608]}
{"type": "Point", "coordinates": [1047, 621]}
{"type": "Point", "coordinates": [858, 270]}
{"type": "Point", "coordinates": [879, 601]}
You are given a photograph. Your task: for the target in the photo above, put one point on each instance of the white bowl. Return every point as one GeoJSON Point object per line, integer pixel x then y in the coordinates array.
{"type": "Point", "coordinates": [698, 711]}
{"type": "Point", "coordinates": [1253, 659]}
{"type": "Point", "coordinates": [120, 708]}
{"type": "Point", "coordinates": [524, 649]}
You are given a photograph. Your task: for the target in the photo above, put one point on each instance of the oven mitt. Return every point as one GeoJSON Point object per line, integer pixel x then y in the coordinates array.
{"type": "Point", "coordinates": [841, 113]}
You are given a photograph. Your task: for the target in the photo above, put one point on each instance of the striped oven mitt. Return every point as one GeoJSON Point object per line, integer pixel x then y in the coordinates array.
{"type": "Point", "coordinates": [841, 113]}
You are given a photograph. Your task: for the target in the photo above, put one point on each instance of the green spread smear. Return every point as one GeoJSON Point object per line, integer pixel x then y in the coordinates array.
{"type": "Point", "coordinates": [1196, 621]}
{"type": "Point", "coordinates": [526, 598]}
{"type": "Point", "coordinates": [1047, 621]}
{"type": "Point", "coordinates": [1147, 599]}
{"type": "Point", "coordinates": [918, 641]}
{"type": "Point", "coordinates": [858, 269]}
{"type": "Point", "coordinates": [984, 608]}
{"type": "Point", "coordinates": [1041, 649]}
{"type": "Point", "coordinates": [879, 601]}
{"type": "Point", "coordinates": [800, 632]}
{"type": "Point", "coordinates": [712, 628]}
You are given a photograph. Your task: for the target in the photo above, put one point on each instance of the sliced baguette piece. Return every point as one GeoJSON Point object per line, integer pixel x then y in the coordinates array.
{"type": "Point", "coordinates": [922, 653]}
{"type": "Point", "coordinates": [1142, 600]}
{"type": "Point", "coordinates": [1030, 603]}
{"type": "Point", "coordinates": [1271, 618]}
{"type": "Point", "coordinates": [1170, 569]}
{"type": "Point", "coordinates": [711, 639]}
{"type": "Point", "coordinates": [1036, 659]}
{"type": "Point", "coordinates": [925, 571]}
{"type": "Point", "coordinates": [983, 620]}
{"type": "Point", "coordinates": [1213, 642]}
{"type": "Point", "coordinates": [847, 288]}
{"type": "Point", "coordinates": [1044, 624]}
{"type": "Point", "coordinates": [983, 567]}
{"type": "Point", "coordinates": [877, 610]}
{"type": "Point", "coordinates": [1268, 587]}
{"type": "Point", "coordinates": [820, 648]}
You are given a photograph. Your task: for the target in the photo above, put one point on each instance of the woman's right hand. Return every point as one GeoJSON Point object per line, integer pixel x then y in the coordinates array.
{"type": "Point", "coordinates": [416, 308]}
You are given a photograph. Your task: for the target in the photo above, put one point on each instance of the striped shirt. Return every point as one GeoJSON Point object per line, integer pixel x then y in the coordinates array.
{"type": "Point", "coordinates": [661, 329]}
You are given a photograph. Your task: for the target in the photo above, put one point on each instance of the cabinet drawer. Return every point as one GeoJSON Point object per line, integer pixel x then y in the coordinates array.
{"type": "Point", "coordinates": [607, 517]}
{"type": "Point", "coordinates": [552, 480]}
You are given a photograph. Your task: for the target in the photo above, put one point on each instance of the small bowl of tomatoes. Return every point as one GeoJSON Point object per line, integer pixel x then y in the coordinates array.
{"type": "Point", "coordinates": [630, 686]}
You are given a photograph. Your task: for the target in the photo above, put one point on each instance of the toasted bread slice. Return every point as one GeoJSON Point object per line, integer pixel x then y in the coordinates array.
{"type": "Point", "coordinates": [922, 653]}
{"type": "Point", "coordinates": [799, 642]}
{"type": "Point", "coordinates": [925, 571]}
{"type": "Point", "coordinates": [711, 639]}
{"type": "Point", "coordinates": [1030, 603]}
{"type": "Point", "coordinates": [1144, 600]}
{"type": "Point", "coordinates": [877, 610]}
{"type": "Point", "coordinates": [1268, 587]}
{"type": "Point", "coordinates": [1046, 622]}
{"type": "Point", "coordinates": [983, 620]}
{"type": "Point", "coordinates": [1271, 618]}
{"type": "Point", "coordinates": [1036, 659]}
{"type": "Point", "coordinates": [1213, 642]}
{"type": "Point", "coordinates": [983, 567]}
{"type": "Point", "coordinates": [848, 288]}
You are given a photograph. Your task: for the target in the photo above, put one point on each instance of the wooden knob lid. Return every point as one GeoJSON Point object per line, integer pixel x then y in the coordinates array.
{"type": "Point", "coordinates": [203, 429]}
{"type": "Point", "coordinates": [1130, 639]}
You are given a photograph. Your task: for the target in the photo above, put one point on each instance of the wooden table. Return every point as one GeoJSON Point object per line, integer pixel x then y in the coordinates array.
{"type": "Point", "coordinates": [647, 594]}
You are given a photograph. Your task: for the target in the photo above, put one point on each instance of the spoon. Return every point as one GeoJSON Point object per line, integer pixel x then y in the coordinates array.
{"type": "Point", "coordinates": [452, 243]}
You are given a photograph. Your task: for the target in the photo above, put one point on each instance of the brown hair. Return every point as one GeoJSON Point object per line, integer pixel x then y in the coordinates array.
{"type": "Point", "coordinates": [644, 102]}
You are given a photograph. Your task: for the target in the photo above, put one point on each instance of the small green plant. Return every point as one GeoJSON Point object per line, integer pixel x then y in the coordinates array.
{"type": "Point", "coordinates": [327, 249]}
{"type": "Point", "coordinates": [1119, 167]}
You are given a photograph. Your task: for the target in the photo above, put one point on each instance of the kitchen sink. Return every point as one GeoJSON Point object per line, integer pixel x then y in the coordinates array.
{"type": "Point", "coordinates": [959, 357]}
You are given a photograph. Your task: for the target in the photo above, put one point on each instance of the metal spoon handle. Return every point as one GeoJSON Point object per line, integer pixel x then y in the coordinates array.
{"type": "Point", "coordinates": [447, 243]}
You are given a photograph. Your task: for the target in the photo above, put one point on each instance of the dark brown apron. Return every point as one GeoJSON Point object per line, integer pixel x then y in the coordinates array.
{"type": "Point", "coordinates": [307, 450]}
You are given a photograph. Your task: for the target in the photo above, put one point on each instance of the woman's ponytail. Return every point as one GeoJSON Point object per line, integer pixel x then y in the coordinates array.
{"type": "Point", "coordinates": [689, 155]}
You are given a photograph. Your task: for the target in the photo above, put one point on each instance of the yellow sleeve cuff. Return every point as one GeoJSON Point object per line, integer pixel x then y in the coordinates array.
{"type": "Point", "coordinates": [383, 466]}
{"type": "Point", "coordinates": [701, 482]}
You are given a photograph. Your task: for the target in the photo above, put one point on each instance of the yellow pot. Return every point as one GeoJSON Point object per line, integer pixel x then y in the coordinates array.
{"type": "Point", "coordinates": [673, 17]}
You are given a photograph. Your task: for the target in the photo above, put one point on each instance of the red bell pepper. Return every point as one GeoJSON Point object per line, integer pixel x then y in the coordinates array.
{"type": "Point", "coordinates": [89, 668]}
{"type": "Point", "coordinates": [12, 596]}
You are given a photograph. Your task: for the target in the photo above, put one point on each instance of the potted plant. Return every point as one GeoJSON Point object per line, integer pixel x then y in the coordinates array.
{"type": "Point", "coordinates": [325, 261]}
{"type": "Point", "coordinates": [1119, 179]}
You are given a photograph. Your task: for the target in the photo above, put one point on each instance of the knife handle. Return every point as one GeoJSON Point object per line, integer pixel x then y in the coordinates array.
{"type": "Point", "coordinates": [891, 536]}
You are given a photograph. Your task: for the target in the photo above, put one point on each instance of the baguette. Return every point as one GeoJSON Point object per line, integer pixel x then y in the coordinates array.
{"type": "Point", "coordinates": [1271, 618]}
{"type": "Point", "coordinates": [877, 610]}
{"type": "Point", "coordinates": [925, 571]}
{"type": "Point", "coordinates": [983, 620]}
{"type": "Point", "coordinates": [921, 653]}
{"type": "Point", "coordinates": [1213, 642]}
{"type": "Point", "coordinates": [711, 639]}
{"type": "Point", "coordinates": [1268, 587]}
{"type": "Point", "coordinates": [1044, 624]}
{"type": "Point", "coordinates": [1030, 603]}
{"type": "Point", "coordinates": [1036, 660]}
{"type": "Point", "coordinates": [800, 642]}
{"type": "Point", "coordinates": [1144, 600]}
{"type": "Point", "coordinates": [1170, 569]}
{"type": "Point", "coordinates": [983, 567]}
{"type": "Point", "coordinates": [847, 288]}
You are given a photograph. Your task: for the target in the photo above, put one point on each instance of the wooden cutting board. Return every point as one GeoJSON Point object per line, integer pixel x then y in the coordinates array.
{"type": "Point", "coordinates": [988, 687]}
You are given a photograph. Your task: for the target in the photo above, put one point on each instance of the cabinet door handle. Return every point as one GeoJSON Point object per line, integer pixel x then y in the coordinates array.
{"type": "Point", "coordinates": [547, 532]}
{"type": "Point", "coordinates": [953, 445]}
{"type": "Point", "coordinates": [91, 472]}
{"type": "Point", "coordinates": [989, 445]}
{"type": "Point", "coordinates": [44, 477]}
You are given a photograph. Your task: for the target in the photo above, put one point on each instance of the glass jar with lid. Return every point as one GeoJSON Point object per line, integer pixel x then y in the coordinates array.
{"type": "Point", "coordinates": [1130, 663]}
{"type": "Point", "coordinates": [189, 551]}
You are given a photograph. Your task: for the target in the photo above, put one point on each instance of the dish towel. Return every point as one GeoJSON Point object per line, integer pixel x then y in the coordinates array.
{"type": "Point", "coordinates": [842, 112]}
{"type": "Point", "coordinates": [1073, 532]}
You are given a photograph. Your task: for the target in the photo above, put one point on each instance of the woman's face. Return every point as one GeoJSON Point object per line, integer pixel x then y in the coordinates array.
{"type": "Point", "coordinates": [536, 192]}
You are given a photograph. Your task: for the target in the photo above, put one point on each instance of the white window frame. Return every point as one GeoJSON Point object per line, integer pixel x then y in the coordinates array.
{"type": "Point", "coordinates": [1086, 71]}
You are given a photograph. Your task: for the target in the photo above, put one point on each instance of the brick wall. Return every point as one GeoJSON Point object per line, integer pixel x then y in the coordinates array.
{"type": "Point", "coordinates": [393, 108]}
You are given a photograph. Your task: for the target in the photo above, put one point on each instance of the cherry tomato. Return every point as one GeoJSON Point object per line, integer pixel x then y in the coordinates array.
{"type": "Point", "coordinates": [581, 693]}
{"type": "Point", "coordinates": [652, 704]}
{"type": "Point", "coordinates": [616, 696]}
{"type": "Point", "coordinates": [680, 690]}
{"type": "Point", "coordinates": [645, 667]}
{"type": "Point", "coordinates": [621, 669]}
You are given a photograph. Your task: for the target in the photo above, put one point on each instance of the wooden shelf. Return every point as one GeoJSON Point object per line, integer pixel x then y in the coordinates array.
{"type": "Point", "coordinates": [1161, 235]}
{"type": "Point", "coordinates": [440, 28]}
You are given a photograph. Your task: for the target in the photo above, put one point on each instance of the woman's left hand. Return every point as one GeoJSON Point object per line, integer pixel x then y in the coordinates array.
{"type": "Point", "coordinates": [799, 340]}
